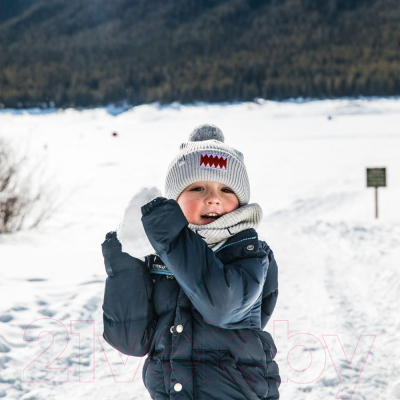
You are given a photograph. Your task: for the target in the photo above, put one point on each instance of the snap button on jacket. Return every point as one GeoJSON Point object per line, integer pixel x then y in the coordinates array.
{"type": "Point", "coordinates": [178, 387]}
{"type": "Point", "coordinates": [202, 331]}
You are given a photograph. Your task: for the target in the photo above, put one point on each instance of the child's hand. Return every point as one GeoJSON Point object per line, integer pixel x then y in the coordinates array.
{"type": "Point", "coordinates": [130, 232]}
{"type": "Point", "coordinates": [111, 249]}
{"type": "Point", "coordinates": [115, 259]}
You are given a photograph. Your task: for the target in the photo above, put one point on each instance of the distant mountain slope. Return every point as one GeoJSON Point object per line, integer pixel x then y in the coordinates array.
{"type": "Point", "coordinates": [92, 52]}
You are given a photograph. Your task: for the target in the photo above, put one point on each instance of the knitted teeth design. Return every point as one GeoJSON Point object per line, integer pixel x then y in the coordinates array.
{"type": "Point", "coordinates": [212, 161]}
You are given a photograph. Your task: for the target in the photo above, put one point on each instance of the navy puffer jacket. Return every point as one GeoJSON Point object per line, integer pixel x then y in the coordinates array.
{"type": "Point", "coordinates": [199, 315]}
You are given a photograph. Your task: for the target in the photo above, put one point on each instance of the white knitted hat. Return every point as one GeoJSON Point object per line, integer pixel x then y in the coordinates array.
{"type": "Point", "coordinates": [207, 158]}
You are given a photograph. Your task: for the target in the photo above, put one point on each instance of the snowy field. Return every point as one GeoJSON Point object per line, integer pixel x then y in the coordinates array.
{"type": "Point", "coordinates": [337, 321]}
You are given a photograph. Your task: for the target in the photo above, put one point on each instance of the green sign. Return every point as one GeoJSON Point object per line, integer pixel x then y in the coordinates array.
{"type": "Point", "coordinates": [376, 177]}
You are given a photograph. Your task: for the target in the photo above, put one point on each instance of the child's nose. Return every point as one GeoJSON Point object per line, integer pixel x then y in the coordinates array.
{"type": "Point", "coordinates": [212, 198]}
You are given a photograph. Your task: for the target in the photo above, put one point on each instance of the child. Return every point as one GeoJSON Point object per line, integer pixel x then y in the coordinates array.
{"type": "Point", "coordinates": [198, 306]}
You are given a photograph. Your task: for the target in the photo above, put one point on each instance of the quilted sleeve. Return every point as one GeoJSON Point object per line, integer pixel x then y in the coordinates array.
{"type": "Point", "coordinates": [128, 313]}
{"type": "Point", "coordinates": [224, 294]}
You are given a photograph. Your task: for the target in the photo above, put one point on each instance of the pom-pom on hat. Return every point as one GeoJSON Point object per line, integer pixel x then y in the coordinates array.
{"type": "Point", "coordinates": [206, 132]}
{"type": "Point", "coordinates": [207, 158]}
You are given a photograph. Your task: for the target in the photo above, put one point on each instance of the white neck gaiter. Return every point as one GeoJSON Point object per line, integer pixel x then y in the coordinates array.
{"type": "Point", "coordinates": [217, 233]}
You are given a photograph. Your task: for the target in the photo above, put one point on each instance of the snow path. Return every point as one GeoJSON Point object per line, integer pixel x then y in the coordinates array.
{"type": "Point", "coordinates": [338, 266]}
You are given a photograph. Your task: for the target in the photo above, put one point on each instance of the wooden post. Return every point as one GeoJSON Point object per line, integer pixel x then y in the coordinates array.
{"type": "Point", "coordinates": [376, 177]}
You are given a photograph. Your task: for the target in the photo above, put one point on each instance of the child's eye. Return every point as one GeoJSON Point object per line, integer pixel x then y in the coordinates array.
{"type": "Point", "coordinates": [196, 189]}
{"type": "Point", "coordinates": [226, 190]}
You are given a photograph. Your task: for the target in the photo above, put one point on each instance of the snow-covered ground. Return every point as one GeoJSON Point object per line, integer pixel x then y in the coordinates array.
{"type": "Point", "coordinates": [339, 301]}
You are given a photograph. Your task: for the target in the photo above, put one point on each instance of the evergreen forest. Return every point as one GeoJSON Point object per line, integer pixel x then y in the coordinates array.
{"type": "Point", "coordinates": [86, 53]}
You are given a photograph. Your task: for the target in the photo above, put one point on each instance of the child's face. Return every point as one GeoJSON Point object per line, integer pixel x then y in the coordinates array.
{"type": "Point", "coordinates": [201, 199]}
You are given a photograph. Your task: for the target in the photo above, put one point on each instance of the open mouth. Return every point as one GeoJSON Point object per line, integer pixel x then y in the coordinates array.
{"type": "Point", "coordinates": [211, 217]}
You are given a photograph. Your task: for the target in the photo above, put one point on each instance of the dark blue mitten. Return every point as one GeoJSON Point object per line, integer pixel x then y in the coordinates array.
{"type": "Point", "coordinates": [148, 208]}
{"type": "Point", "coordinates": [115, 260]}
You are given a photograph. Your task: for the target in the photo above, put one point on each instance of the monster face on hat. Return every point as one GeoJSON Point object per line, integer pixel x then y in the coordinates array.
{"type": "Point", "coordinates": [207, 158]}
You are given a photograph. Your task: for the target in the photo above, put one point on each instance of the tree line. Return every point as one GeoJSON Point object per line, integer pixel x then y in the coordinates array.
{"type": "Point", "coordinates": [74, 53]}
